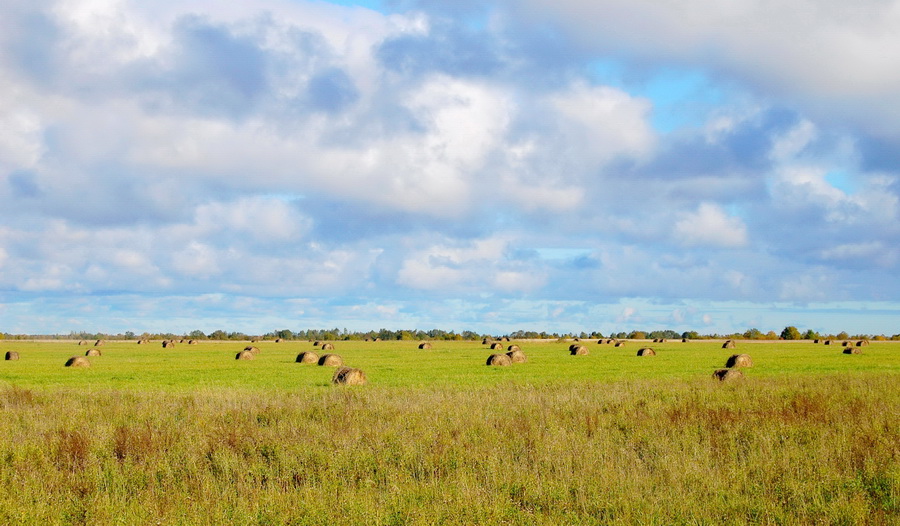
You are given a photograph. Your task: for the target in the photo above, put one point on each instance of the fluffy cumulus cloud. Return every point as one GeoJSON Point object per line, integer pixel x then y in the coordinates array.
{"type": "Point", "coordinates": [560, 164]}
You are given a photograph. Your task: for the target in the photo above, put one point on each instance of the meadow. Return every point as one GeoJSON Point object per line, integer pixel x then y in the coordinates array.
{"type": "Point", "coordinates": [190, 435]}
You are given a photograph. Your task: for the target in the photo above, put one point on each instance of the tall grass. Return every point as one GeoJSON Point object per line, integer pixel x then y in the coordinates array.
{"type": "Point", "coordinates": [801, 450]}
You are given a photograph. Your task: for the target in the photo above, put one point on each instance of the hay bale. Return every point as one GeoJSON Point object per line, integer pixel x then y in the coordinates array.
{"type": "Point", "coordinates": [579, 350]}
{"type": "Point", "coordinates": [852, 350]}
{"type": "Point", "coordinates": [513, 347]}
{"type": "Point", "coordinates": [307, 357]}
{"type": "Point", "coordinates": [99, 343]}
{"type": "Point", "coordinates": [655, 340]}
{"type": "Point", "coordinates": [827, 342]}
{"type": "Point", "coordinates": [168, 344]}
{"type": "Point", "coordinates": [620, 344]}
{"type": "Point", "coordinates": [327, 347]}
{"type": "Point", "coordinates": [862, 343]}
{"type": "Point", "coordinates": [504, 339]}
{"type": "Point", "coordinates": [662, 340]}
{"type": "Point", "coordinates": [846, 344]}
{"type": "Point", "coordinates": [516, 356]}
{"type": "Point", "coordinates": [499, 360]}
{"type": "Point", "coordinates": [728, 374]}
{"type": "Point", "coordinates": [278, 340]}
{"type": "Point", "coordinates": [244, 355]}
{"type": "Point", "coordinates": [685, 340]}
{"type": "Point", "coordinates": [331, 360]}
{"type": "Point", "coordinates": [348, 376]}
{"type": "Point", "coordinates": [377, 339]}
{"type": "Point", "coordinates": [739, 360]}
{"type": "Point", "coordinates": [92, 352]}
{"type": "Point", "coordinates": [496, 346]}
{"type": "Point", "coordinates": [729, 344]}
{"type": "Point", "coordinates": [317, 343]}
{"type": "Point", "coordinates": [250, 348]}
{"type": "Point", "coordinates": [816, 340]}
{"type": "Point", "coordinates": [192, 342]}
{"type": "Point", "coordinates": [424, 345]}
{"type": "Point", "coordinates": [78, 361]}
{"type": "Point", "coordinates": [599, 342]}
{"type": "Point", "coordinates": [11, 356]}
{"type": "Point", "coordinates": [646, 351]}
{"type": "Point", "coordinates": [487, 341]}
{"type": "Point", "coordinates": [82, 342]}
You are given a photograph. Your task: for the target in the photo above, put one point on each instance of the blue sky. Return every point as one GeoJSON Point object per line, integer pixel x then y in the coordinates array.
{"type": "Point", "coordinates": [493, 166]}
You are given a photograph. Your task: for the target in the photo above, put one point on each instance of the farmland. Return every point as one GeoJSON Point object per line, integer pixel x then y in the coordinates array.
{"type": "Point", "coordinates": [191, 435]}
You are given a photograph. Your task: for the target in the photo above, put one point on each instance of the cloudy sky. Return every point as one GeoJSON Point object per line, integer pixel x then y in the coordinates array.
{"type": "Point", "coordinates": [497, 165]}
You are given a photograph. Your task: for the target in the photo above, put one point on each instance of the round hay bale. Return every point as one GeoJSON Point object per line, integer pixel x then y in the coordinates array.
{"type": "Point", "coordinates": [317, 343]}
{"type": "Point", "coordinates": [348, 376]}
{"type": "Point", "coordinates": [82, 342]}
{"type": "Point", "coordinates": [685, 340]}
{"type": "Point", "coordinates": [862, 343]}
{"type": "Point", "coordinates": [254, 340]}
{"type": "Point", "coordinates": [250, 348]}
{"type": "Point", "coordinates": [846, 344]}
{"type": "Point", "coordinates": [739, 360]}
{"type": "Point", "coordinates": [729, 344]}
{"type": "Point", "coordinates": [579, 350]}
{"type": "Point", "coordinates": [600, 342]}
{"type": "Point", "coordinates": [513, 347]}
{"type": "Point", "coordinates": [331, 360]}
{"type": "Point", "coordinates": [496, 346]}
{"type": "Point", "coordinates": [140, 342]}
{"type": "Point", "coordinates": [11, 355]}
{"type": "Point", "coordinates": [504, 339]}
{"type": "Point", "coordinates": [92, 352]}
{"type": "Point", "coordinates": [181, 340]}
{"type": "Point", "coordinates": [827, 342]}
{"type": "Point", "coordinates": [168, 344]}
{"type": "Point", "coordinates": [499, 360]}
{"type": "Point", "coordinates": [377, 339]}
{"type": "Point", "coordinates": [244, 355]}
{"type": "Point", "coordinates": [662, 340]}
{"type": "Point", "coordinates": [816, 340]}
{"type": "Point", "coordinates": [655, 340]}
{"type": "Point", "coordinates": [78, 361]}
{"type": "Point", "coordinates": [516, 356]}
{"type": "Point", "coordinates": [728, 374]}
{"type": "Point", "coordinates": [327, 347]}
{"type": "Point", "coordinates": [278, 340]}
{"type": "Point", "coordinates": [307, 357]}
{"type": "Point", "coordinates": [424, 345]}
{"type": "Point", "coordinates": [646, 351]}
{"type": "Point", "coordinates": [620, 344]}
{"type": "Point", "coordinates": [192, 342]}
{"type": "Point", "coordinates": [99, 343]}
{"type": "Point", "coordinates": [487, 341]}
{"type": "Point", "coordinates": [852, 350]}
{"type": "Point", "coordinates": [573, 346]}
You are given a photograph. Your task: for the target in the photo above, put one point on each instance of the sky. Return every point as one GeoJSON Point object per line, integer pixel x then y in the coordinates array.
{"type": "Point", "coordinates": [564, 165]}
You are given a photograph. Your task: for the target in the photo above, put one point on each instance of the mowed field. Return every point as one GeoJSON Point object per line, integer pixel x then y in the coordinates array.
{"type": "Point", "coordinates": [190, 435]}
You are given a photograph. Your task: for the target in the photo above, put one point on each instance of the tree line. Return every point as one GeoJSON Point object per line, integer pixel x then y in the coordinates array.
{"type": "Point", "coordinates": [336, 334]}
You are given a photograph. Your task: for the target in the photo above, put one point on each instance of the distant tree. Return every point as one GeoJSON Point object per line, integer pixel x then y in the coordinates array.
{"type": "Point", "coordinates": [753, 334]}
{"type": "Point", "coordinates": [810, 335]}
{"type": "Point", "coordinates": [691, 335]}
{"type": "Point", "coordinates": [284, 334]}
{"type": "Point", "coordinates": [218, 335]}
{"type": "Point", "coordinates": [842, 335]}
{"type": "Point", "coordinates": [197, 335]}
{"type": "Point", "coordinates": [791, 333]}
{"type": "Point", "coordinates": [771, 335]}
{"type": "Point", "coordinates": [637, 335]}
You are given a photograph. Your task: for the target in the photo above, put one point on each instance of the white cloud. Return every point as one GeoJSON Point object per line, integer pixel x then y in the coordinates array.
{"type": "Point", "coordinates": [710, 226]}
{"type": "Point", "coordinates": [834, 57]}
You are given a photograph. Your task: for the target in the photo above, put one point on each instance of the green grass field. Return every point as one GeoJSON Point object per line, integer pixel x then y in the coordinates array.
{"type": "Point", "coordinates": [126, 365]}
{"type": "Point", "coordinates": [189, 435]}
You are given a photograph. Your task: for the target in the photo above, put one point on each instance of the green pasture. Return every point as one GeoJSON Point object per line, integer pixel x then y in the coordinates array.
{"type": "Point", "coordinates": [125, 365]}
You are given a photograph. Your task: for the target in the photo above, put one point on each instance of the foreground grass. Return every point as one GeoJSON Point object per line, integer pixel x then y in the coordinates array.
{"type": "Point", "coordinates": [805, 449]}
